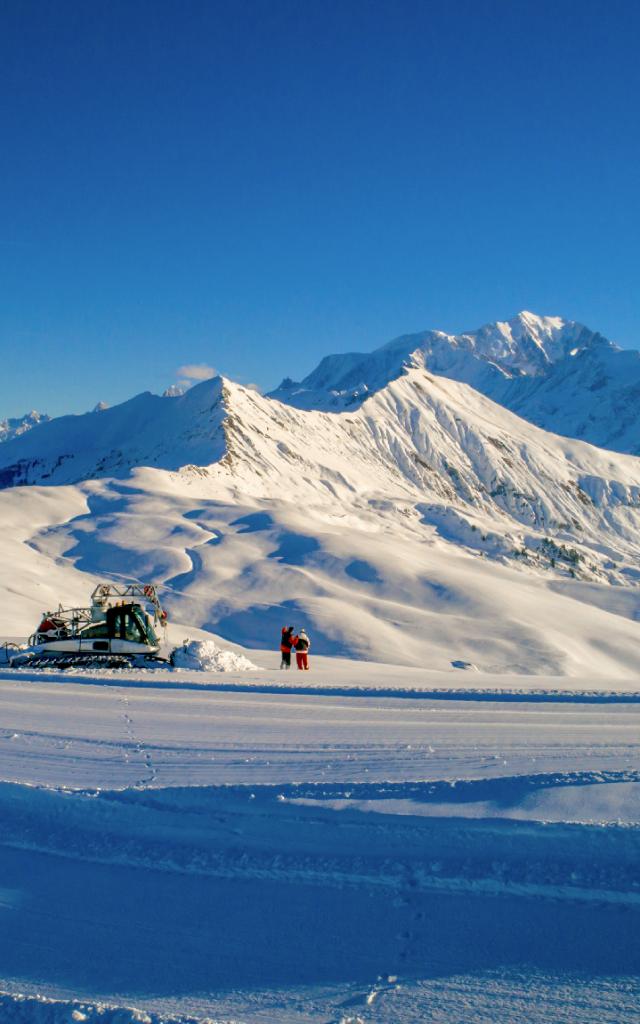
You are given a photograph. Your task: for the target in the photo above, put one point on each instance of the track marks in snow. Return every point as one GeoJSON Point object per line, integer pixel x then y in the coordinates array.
{"type": "Point", "coordinates": [119, 736]}
{"type": "Point", "coordinates": [134, 745]}
{"type": "Point", "coordinates": [161, 679]}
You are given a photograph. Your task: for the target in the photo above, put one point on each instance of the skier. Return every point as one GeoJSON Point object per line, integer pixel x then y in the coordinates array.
{"type": "Point", "coordinates": [302, 643]}
{"type": "Point", "coordinates": [286, 643]}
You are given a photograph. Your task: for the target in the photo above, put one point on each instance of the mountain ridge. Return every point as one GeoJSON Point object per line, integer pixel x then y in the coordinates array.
{"type": "Point", "coordinates": [427, 526]}
{"type": "Point", "coordinates": [111, 441]}
{"type": "Point", "coordinates": [546, 369]}
{"type": "Point", "coordinates": [17, 425]}
{"type": "Point", "coordinates": [469, 468]}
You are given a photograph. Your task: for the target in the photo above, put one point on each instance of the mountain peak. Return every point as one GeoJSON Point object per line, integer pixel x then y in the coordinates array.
{"type": "Point", "coordinates": [535, 320]}
{"type": "Point", "coordinates": [545, 368]}
{"type": "Point", "coordinates": [14, 427]}
{"type": "Point", "coordinates": [526, 345]}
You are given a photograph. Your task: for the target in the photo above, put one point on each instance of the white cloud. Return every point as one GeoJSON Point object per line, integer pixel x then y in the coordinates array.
{"type": "Point", "coordinates": [196, 371]}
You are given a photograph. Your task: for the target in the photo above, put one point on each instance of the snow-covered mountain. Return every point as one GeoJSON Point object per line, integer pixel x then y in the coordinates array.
{"type": "Point", "coordinates": [556, 373]}
{"type": "Point", "coordinates": [465, 460]}
{"type": "Point", "coordinates": [427, 525]}
{"type": "Point", "coordinates": [11, 428]}
{"type": "Point", "coordinates": [147, 430]}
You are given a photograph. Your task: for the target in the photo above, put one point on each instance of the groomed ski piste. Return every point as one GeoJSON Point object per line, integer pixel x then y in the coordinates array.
{"type": "Point", "coordinates": [362, 842]}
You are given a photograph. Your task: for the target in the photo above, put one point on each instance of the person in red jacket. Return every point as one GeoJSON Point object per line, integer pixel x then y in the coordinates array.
{"type": "Point", "coordinates": [286, 643]}
{"type": "Point", "coordinates": [302, 643]}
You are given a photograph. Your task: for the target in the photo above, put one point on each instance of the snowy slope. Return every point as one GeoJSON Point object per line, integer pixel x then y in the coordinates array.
{"type": "Point", "coordinates": [252, 857]}
{"type": "Point", "coordinates": [146, 430]}
{"type": "Point", "coordinates": [556, 373]}
{"type": "Point", "coordinates": [426, 527]}
{"type": "Point", "coordinates": [448, 458]}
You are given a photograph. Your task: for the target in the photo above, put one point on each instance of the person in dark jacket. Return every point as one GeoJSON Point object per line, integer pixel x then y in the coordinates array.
{"type": "Point", "coordinates": [286, 643]}
{"type": "Point", "coordinates": [302, 643]}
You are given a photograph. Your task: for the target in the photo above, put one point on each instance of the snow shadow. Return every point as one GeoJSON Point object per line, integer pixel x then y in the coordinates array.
{"type": "Point", "coordinates": [184, 579]}
{"type": "Point", "coordinates": [259, 627]}
{"type": "Point", "coordinates": [363, 572]}
{"type": "Point", "coordinates": [294, 548]}
{"type": "Point", "coordinates": [503, 791]}
{"type": "Point", "coordinates": [184, 890]}
{"type": "Point", "coordinates": [98, 929]}
{"type": "Point", "coordinates": [204, 511]}
{"type": "Point", "coordinates": [255, 522]}
{"type": "Point", "coordinates": [87, 549]}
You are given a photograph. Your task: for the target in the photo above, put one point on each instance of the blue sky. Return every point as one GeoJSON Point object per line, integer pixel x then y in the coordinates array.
{"type": "Point", "coordinates": [251, 185]}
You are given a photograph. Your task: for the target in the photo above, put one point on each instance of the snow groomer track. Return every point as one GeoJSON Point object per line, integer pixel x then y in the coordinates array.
{"type": "Point", "coordinates": [383, 858]}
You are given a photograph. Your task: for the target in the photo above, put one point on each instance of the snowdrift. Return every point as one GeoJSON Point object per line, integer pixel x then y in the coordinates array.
{"type": "Point", "coordinates": [206, 656]}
